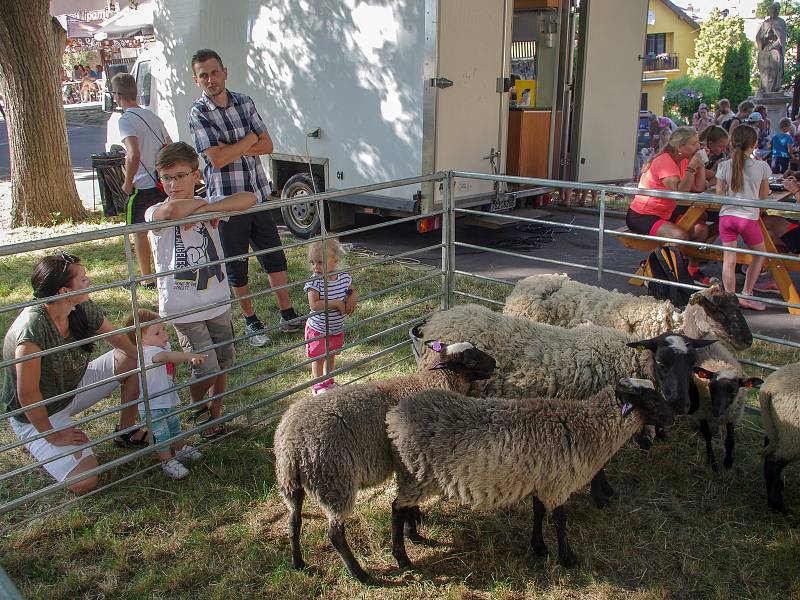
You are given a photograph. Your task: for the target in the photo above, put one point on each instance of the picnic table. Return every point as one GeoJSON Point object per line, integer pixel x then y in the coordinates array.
{"type": "Point", "coordinates": [778, 268]}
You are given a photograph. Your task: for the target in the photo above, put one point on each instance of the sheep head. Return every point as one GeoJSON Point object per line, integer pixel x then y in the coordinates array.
{"type": "Point", "coordinates": [723, 388]}
{"type": "Point", "coordinates": [640, 395]}
{"type": "Point", "coordinates": [463, 358]}
{"type": "Point", "coordinates": [715, 313]}
{"type": "Point", "coordinates": [673, 356]}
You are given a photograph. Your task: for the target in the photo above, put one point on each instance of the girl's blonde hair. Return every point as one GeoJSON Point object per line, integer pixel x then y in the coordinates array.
{"type": "Point", "coordinates": [745, 137]}
{"type": "Point", "coordinates": [679, 137]}
{"type": "Point", "coordinates": [331, 245]}
{"type": "Point", "coordinates": [145, 315]}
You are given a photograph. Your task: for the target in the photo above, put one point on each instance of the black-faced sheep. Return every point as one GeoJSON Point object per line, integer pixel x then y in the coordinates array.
{"type": "Point", "coordinates": [558, 300]}
{"type": "Point", "coordinates": [489, 453]}
{"type": "Point", "coordinates": [332, 445]}
{"type": "Point", "coordinates": [780, 411]}
{"type": "Point", "coordinates": [719, 395]}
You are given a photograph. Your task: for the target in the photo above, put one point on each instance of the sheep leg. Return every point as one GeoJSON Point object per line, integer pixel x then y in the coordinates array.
{"type": "Point", "coordinates": [772, 476]}
{"type": "Point", "coordinates": [336, 536]}
{"type": "Point", "coordinates": [295, 524]}
{"type": "Point", "coordinates": [537, 540]}
{"type": "Point", "coordinates": [413, 518]}
{"type": "Point", "coordinates": [565, 554]}
{"type": "Point", "coordinates": [399, 520]}
{"type": "Point", "coordinates": [710, 456]}
{"type": "Point", "coordinates": [730, 441]}
{"type": "Point", "coordinates": [601, 490]}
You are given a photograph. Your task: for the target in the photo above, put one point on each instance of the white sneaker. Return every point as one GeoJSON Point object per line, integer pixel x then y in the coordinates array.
{"type": "Point", "coordinates": [188, 453]}
{"type": "Point", "coordinates": [174, 470]}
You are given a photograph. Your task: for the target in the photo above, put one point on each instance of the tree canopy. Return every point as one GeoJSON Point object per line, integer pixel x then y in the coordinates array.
{"type": "Point", "coordinates": [717, 35]}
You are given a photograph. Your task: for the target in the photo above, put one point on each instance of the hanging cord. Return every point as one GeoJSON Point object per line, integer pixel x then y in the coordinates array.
{"type": "Point", "coordinates": [535, 236]}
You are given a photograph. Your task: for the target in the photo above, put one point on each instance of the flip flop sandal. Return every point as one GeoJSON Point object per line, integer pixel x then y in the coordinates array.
{"type": "Point", "coordinates": [201, 415]}
{"type": "Point", "coordinates": [213, 432]}
{"type": "Point", "coordinates": [126, 440]}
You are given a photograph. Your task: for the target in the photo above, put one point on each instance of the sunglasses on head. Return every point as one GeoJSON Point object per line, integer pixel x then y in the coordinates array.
{"type": "Point", "coordinates": [67, 258]}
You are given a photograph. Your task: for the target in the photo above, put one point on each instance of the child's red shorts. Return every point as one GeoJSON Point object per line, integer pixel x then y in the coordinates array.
{"type": "Point", "coordinates": [317, 347]}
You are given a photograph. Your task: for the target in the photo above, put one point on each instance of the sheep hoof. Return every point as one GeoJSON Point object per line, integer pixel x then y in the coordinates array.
{"type": "Point", "coordinates": [728, 463]}
{"type": "Point", "coordinates": [405, 565]}
{"type": "Point", "coordinates": [299, 565]}
{"type": "Point", "coordinates": [781, 508]}
{"type": "Point", "coordinates": [601, 500]}
{"type": "Point", "coordinates": [568, 559]}
{"type": "Point", "coordinates": [539, 550]}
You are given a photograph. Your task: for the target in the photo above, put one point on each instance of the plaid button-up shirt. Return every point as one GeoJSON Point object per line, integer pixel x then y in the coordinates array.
{"type": "Point", "coordinates": [210, 125]}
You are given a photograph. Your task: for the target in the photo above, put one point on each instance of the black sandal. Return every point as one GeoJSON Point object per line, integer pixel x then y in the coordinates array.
{"type": "Point", "coordinates": [126, 440]}
{"type": "Point", "coordinates": [201, 415]}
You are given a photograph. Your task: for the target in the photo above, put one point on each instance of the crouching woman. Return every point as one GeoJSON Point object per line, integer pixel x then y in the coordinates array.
{"type": "Point", "coordinates": [50, 325]}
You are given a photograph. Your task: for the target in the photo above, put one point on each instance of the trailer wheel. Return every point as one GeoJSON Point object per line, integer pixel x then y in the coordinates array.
{"type": "Point", "coordinates": [302, 218]}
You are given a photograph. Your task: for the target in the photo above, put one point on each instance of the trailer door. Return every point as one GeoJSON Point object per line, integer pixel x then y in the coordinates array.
{"type": "Point", "coordinates": [471, 115]}
{"type": "Point", "coordinates": [610, 83]}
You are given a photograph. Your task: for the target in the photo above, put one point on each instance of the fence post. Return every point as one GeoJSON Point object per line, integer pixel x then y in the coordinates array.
{"type": "Point", "coordinates": [448, 242]}
{"type": "Point", "coordinates": [138, 325]}
{"type": "Point", "coordinates": [600, 237]}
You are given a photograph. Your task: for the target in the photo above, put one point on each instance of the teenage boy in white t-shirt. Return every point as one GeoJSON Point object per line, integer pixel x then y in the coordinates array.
{"type": "Point", "coordinates": [196, 287]}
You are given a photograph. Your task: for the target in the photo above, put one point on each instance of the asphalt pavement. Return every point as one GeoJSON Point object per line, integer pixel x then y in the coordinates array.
{"type": "Point", "coordinates": [84, 140]}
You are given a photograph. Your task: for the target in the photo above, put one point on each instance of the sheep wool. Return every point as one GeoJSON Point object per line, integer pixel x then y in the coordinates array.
{"type": "Point", "coordinates": [535, 359]}
{"type": "Point", "coordinates": [780, 411]}
{"type": "Point", "coordinates": [558, 300]}
{"type": "Point", "coordinates": [728, 367]}
{"type": "Point", "coordinates": [489, 453]}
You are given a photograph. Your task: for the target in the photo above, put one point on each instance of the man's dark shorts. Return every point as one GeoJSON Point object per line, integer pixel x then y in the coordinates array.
{"type": "Point", "coordinates": [140, 200]}
{"type": "Point", "coordinates": [256, 230]}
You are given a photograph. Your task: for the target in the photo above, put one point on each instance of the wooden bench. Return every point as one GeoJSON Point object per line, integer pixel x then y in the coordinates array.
{"type": "Point", "coordinates": [777, 267]}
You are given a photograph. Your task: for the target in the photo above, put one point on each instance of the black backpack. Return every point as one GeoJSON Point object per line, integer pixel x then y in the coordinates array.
{"type": "Point", "coordinates": [667, 263]}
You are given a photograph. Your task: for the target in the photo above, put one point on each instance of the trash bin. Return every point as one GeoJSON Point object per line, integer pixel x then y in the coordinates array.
{"type": "Point", "coordinates": [109, 170]}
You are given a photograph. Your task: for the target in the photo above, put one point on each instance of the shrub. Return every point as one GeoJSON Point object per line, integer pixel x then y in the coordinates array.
{"type": "Point", "coordinates": [684, 94]}
{"type": "Point", "coordinates": [736, 75]}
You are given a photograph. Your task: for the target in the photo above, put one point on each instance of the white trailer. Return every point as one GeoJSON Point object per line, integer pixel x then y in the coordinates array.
{"type": "Point", "coordinates": [355, 92]}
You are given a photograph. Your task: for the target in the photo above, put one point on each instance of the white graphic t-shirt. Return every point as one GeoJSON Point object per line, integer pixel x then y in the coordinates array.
{"type": "Point", "coordinates": [195, 285]}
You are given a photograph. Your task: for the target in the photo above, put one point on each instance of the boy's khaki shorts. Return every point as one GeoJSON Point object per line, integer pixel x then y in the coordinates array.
{"type": "Point", "coordinates": [198, 336]}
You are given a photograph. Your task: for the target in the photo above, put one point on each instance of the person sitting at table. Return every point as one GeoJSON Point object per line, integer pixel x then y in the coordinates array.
{"type": "Point", "coordinates": [785, 232]}
{"type": "Point", "coordinates": [678, 167]}
{"type": "Point", "coordinates": [742, 176]}
{"type": "Point", "coordinates": [48, 430]}
{"type": "Point", "coordinates": [87, 85]}
{"type": "Point", "coordinates": [714, 147]}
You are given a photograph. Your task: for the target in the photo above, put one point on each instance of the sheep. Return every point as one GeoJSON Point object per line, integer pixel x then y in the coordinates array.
{"type": "Point", "coordinates": [558, 300]}
{"type": "Point", "coordinates": [718, 394]}
{"type": "Point", "coordinates": [490, 453]}
{"type": "Point", "coordinates": [335, 444]}
{"type": "Point", "coordinates": [780, 411]}
{"type": "Point", "coordinates": [535, 359]}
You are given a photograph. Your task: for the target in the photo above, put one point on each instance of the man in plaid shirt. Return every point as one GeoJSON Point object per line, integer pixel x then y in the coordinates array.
{"type": "Point", "coordinates": [228, 131]}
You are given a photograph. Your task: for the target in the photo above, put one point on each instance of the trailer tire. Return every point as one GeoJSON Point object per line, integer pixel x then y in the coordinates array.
{"type": "Point", "coordinates": [302, 219]}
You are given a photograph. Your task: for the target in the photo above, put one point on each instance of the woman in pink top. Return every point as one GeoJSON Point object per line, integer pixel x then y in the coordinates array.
{"type": "Point", "coordinates": [677, 167]}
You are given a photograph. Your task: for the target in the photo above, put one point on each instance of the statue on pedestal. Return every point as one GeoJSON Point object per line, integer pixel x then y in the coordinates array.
{"type": "Point", "coordinates": [771, 43]}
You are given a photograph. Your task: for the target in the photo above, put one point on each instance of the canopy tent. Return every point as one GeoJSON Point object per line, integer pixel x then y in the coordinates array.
{"type": "Point", "coordinates": [128, 22]}
{"type": "Point", "coordinates": [77, 28]}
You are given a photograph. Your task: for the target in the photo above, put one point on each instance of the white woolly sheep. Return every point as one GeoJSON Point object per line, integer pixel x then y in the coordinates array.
{"type": "Point", "coordinates": [333, 445]}
{"type": "Point", "coordinates": [489, 453]}
{"type": "Point", "coordinates": [780, 412]}
{"type": "Point", "coordinates": [535, 359]}
{"type": "Point", "coordinates": [718, 395]}
{"type": "Point", "coordinates": [556, 299]}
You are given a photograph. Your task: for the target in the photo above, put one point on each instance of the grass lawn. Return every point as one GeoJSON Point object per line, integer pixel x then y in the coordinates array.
{"type": "Point", "coordinates": [674, 530]}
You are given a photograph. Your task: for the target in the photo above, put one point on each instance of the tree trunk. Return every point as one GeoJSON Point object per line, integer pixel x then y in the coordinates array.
{"type": "Point", "coordinates": [42, 183]}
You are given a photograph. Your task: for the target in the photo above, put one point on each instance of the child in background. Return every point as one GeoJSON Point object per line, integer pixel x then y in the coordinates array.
{"type": "Point", "coordinates": [156, 351]}
{"type": "Point", "coordinates": [742, 177]}
{"type": "Point", "coordinates": [782, 146]}
{"type": "Point", "coordinates": [341, 301]}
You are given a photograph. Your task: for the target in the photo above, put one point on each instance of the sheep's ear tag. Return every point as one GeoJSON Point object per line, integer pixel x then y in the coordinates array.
{"type": "Point", "coordinates": [435, 345]}
{"type": "Point", "coordinates": [627, 407]}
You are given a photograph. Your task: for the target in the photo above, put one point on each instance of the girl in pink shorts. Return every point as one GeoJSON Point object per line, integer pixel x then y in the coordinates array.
{"type": "Point", "coordinates": [742, 176]}
{"type": "Point", "coordinates": [331, 296]}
